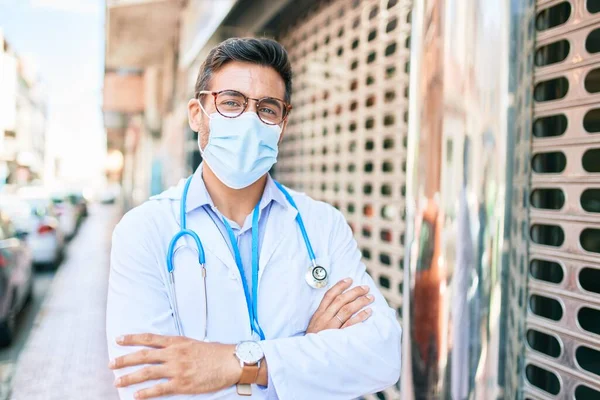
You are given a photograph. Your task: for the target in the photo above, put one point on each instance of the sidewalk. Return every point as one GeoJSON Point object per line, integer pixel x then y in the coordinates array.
{"type": "Point", "coordinates": [66, 357]}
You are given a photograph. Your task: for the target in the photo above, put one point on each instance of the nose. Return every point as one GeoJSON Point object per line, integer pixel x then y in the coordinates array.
{"type": "Point", "coordinates": [252, 105]}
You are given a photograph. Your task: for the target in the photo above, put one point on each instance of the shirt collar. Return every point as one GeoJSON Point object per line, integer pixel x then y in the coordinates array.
{"type": "Point", "coordinates": [198, 195]}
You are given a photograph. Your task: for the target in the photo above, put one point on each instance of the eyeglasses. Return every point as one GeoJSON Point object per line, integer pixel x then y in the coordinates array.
{"type": "Point", "coordinates": [232, 104]}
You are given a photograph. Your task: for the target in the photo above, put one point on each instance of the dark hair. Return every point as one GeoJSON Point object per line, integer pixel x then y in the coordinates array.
{"type": "Point", "coordinates": [266, 52]}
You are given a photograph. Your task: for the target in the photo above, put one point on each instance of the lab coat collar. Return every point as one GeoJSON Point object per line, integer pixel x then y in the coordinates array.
{"type": "Point", "coordinates": [198, 195]}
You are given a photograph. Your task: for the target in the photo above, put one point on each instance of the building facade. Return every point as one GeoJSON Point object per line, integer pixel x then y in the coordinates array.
{"type": "Point", "coordinates": [22, 119]}
{"type": "Point", "coordinates": [457, 137]}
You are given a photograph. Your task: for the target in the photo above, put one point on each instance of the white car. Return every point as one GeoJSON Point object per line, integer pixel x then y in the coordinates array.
{"type": "Point", "coordinates": [67, 215]}
{"type": "Point", "coordinates": [34, 219]}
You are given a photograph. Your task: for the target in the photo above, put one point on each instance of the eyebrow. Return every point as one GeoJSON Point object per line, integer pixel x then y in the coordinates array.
{"type": "Point", "coordinates": [272, 101]}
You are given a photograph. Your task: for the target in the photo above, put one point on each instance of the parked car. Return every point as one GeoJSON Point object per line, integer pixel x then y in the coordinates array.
{"type": "Point", "coordinates": [110, 193]}
{"type": "Point", "coordinates": [34, 220]}
{"type": "Point", "coordinates": [80, 204]}
{"type": "Point", "coordinates": [16, 278]}
{"type": "Point", "coordinates": [67, 215]}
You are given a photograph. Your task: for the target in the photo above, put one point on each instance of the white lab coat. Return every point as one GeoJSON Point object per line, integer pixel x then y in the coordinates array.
{"type": "Point", "coordinates": [333, 364]}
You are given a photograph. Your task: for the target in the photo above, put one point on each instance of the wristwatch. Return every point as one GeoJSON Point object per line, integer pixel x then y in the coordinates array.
{"type": "Point", "coordinates": [250, 355]}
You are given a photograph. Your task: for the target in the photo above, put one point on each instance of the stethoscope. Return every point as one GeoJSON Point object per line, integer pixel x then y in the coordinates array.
{"type": "Point", "coordinates": [316, 276]}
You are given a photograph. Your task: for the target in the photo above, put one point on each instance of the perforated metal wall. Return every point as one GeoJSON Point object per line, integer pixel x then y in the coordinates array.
{"type": "Point", "coordinates": [563, 301]}
{"type": "Point", "coordinates": [346, 139]}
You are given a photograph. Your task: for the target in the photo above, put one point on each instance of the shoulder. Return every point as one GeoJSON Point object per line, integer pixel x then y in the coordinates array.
{"type": "Point", "coordinates": [145, 221]}
{"type": "Point", "coordinates": [139, 217]}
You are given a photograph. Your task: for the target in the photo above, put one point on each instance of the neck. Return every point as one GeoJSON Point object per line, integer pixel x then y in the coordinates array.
{"type": "Point", "coordinates": [234, 204]}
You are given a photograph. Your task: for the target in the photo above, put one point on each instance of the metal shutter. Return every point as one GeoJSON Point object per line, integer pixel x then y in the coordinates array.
{"type": "Point", "coordinates": [346, 139]}
{"type": "Point", "coordinates": [562, 337]}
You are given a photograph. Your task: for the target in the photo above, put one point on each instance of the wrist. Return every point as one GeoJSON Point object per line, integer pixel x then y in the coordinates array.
{"type": "Point", "coordinates": [250, 356]}
{"type": "Point", "coordinates": [233, 366]}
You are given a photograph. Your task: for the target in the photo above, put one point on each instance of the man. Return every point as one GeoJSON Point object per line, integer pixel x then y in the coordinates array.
{"type": "Point", "coordinates": [256, 321]}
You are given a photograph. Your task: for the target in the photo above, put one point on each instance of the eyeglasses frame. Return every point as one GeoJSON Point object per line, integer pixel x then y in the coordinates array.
{"type": "Point", "coordinates": [287, 107]}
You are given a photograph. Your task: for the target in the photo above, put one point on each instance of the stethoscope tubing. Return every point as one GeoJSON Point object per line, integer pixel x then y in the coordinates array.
{"type": "Point", "coordinates": [202, 259]}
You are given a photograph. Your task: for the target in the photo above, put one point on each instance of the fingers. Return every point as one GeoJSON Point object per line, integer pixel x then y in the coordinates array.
{"type": "Point", "coordinates": [345, 298]}
{"type": "Point", "coordinates": [159, 390]}
{"type": "Point", "coordinates": [148, 340]}
{"type": "Point", "coordinates": [353, 307]}
{"type": "Point", "coordinates": [333, 293]}
{"type": "Point", "coordinates": [145, 374]}
{"type": "Point", "coordinates": [358, 318]}
{"type": "Point", "coordinates": [144, 356]}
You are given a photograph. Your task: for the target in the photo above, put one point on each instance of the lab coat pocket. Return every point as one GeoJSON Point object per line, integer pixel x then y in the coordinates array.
{"type": "Point", "coordinates": [303, 299]}
{"type": "Point", "coordinates": [190, 292]}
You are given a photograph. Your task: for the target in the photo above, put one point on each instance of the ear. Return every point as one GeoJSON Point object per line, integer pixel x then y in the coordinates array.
{"type": "Point", "coordinates": [194, 114]}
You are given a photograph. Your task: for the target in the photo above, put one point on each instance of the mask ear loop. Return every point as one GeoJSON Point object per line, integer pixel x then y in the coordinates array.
{"type": "Point", "coordinates": [209, 117]}
{"type": "Point", "coordinates": [202, 108]}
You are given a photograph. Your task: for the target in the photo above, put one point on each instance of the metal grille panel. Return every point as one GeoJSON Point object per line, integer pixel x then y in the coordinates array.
{"type": "Point", "coordinates": [346, 139]}
{"type": "Point", "coordinates": [563, 302]}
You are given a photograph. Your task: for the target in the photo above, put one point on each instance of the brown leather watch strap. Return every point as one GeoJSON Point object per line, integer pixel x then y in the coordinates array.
{"type": "Point", "coordinates": [249, 374]}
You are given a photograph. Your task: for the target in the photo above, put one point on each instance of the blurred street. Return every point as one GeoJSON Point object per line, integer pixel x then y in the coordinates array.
{"type": "Point", "coordinates": [25, 323]}
{"type": "Point", "coordinates": [65, 355]}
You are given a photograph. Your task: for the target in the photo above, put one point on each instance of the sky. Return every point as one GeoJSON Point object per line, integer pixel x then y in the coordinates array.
{"type": "Point", "coordinates": [64, 39]}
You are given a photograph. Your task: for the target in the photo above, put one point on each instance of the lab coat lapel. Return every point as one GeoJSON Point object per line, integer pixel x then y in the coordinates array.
{"type": "Point", "coordinates": [280, 226]}
{"type": "Point", "coordinates": [212, 239]}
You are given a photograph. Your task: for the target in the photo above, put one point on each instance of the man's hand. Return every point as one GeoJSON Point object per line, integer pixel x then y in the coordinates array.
{"type": "Point", "coordinates": [191, 366]}
{"type": "Point", "coordinates": [340, 308]}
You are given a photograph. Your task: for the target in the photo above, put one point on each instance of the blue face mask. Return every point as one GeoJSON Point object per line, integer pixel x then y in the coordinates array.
{"type": "Point", "coordinates": [240, 150]}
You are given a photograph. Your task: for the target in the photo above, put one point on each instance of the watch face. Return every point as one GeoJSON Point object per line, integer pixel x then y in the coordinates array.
{"type": "Point", "coordinates": [249, 352]}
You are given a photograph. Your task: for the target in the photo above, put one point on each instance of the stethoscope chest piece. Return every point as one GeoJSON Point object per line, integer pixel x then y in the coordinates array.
{"type": "Point", "coordinates": [317, 277]}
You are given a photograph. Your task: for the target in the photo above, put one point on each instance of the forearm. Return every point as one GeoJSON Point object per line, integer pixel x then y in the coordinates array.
{"type": "Point", "coordinates": [337, 364]}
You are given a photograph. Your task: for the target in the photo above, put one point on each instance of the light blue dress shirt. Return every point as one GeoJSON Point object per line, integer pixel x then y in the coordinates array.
{"type": "Point", "coordinates": [243, 234]}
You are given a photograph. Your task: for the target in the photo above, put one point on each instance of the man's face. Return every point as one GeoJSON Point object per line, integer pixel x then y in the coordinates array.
{"type": "Point", "coordinates": [253, 80]}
